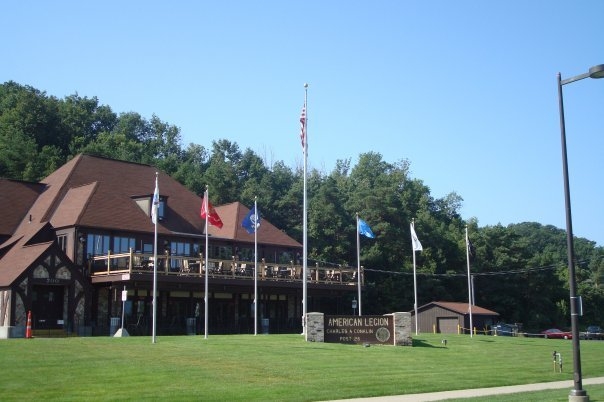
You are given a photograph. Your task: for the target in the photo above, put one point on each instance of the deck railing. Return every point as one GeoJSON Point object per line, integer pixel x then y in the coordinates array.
{"type": "Point", "coordinates": [131, 262]}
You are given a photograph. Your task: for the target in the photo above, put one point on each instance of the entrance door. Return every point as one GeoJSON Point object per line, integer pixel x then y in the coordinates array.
{"type": "Point", "coordinates": [48, 306]}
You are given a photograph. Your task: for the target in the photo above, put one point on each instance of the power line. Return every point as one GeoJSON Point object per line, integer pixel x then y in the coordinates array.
{"type": "Point", "coordinates": [492, 273]}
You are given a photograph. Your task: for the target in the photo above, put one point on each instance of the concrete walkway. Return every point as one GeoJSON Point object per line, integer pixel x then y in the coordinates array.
{"type": "Point", "coordinates": [471, 393]}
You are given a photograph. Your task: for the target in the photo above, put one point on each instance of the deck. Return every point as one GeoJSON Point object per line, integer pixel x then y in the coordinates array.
{"type": "Point", "coordinates": [182, 267]}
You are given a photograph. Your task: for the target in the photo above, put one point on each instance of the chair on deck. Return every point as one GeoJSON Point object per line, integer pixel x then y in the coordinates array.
{"type": "Point", "coordinates": [137, 262]}
{"type": "Point", "coordinates": [185, 268]}
{"type": "Point", "coordinates": [218, 268]}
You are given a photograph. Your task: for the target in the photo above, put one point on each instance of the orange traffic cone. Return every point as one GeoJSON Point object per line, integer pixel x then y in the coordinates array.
{"type": "Point", "coordinates": [28, 327]}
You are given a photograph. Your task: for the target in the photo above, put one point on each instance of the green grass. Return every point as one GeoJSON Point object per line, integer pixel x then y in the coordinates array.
{"type": "Point", "coordinates": [277, 367]}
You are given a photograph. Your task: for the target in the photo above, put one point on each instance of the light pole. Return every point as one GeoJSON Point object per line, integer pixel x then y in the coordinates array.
{"type": "Point", "coordinates": [577, 393]}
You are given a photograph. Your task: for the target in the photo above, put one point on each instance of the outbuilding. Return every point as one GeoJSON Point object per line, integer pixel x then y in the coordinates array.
{"type": "Point", "coordinates": [452, 318]}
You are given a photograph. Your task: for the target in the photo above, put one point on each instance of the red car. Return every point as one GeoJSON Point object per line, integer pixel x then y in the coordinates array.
{"type": "Point", "coordinates": [555, 333]}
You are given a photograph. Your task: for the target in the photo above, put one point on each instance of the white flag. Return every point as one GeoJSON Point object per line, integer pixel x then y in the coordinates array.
{"type": "Point", "coordinates": [155, 204]}
{"type": "Point", "coordinates": [417, 246]}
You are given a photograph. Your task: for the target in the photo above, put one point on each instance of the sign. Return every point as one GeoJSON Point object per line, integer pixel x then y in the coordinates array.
{"type": "Point", "coordinates": [373, 329]}
{"type": "Point", "coordinates": [50, 281]}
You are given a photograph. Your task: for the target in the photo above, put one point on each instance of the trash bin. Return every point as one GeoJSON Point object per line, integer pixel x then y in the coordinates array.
{"type": "Point", "coordinates": [265, 323]}
{"type": "Point", "coordinates": [191, 324]}
{"type": "Point", "coordinates": [114, 325]}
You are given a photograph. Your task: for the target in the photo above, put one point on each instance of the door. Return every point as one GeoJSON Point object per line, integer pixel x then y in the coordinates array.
{"type": "Point", "coordinates": [447, 325]}
{"type": "Point", "coordinates": [47, 306]}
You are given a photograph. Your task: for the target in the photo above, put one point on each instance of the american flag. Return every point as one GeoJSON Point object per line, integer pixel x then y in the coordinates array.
{"type": "Point", "coordinates": [303, 128]}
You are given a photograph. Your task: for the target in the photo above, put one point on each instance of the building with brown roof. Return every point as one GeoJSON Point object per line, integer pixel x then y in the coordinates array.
{"type": "Point", "coordinates": [452, 317]}
{"type": "Point", "coordinates": [71, 244]}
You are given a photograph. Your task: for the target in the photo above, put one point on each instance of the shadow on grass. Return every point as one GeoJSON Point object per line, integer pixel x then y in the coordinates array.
{"type": "Point", "coordinates": [420, 343]}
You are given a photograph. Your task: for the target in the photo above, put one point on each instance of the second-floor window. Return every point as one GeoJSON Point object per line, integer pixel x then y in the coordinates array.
{"type": "Point", "coordinates": [145, 203]}
{"type": "Point", "coordinates": [97, 244]}
{"type": "Point", "coordinates": [123, 244]}
{"type": "Point", "coordinates": [62, 240]}
{"type": "Point", "coordinates": [180, 248]}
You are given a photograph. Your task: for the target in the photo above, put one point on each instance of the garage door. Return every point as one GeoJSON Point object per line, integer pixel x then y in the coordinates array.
{"type": "Point", "coordinates": [446, 325]}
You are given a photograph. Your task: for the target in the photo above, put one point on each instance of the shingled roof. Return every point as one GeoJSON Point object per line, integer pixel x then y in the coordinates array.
{"type": "Point", "coordinates": [20, 252]}
{"type": "Point", "coordinates": [460, 308]}
{"type": "Point", "coordinates": [232, 215]}
{"type": "Point", "coordinates": [101, 193]}
{"type": "Point", "coordinates": [16, 197]}
{"type": "Point", "coordinates": [96, 192]}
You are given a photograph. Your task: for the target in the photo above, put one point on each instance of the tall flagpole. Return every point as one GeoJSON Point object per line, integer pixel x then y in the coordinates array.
{"type": "Point", "coordinates": [255, 265]}
{"type": "Point", "coordinates": [469, 282]}
{"type": "Point", "coordinates": [305, 218]}
{"type": "Point", "coordinates": [359, 264]}
{"type": "Point", "coordinates": [414, 280]}
{"type": "Point", "coordinates": [155, 211]}
{"type": "Point", "coordinates": [205, 294]}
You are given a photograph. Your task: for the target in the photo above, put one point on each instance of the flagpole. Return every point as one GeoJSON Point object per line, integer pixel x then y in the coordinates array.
{"type": "Point", "coordinates": [414, 280]}
{"type": "Point", "coordinates": [205, 294]}
{"type": "Point", "coordinates": [305, 218]}
{"type": "Point", "coordinates": [469, 282]}
{"type": "Point", "coordinates": [255, 265]}
{"type": "Point", "coordinates": [155, 208]}
{"type": "Point", "coordinates": [358, 264]}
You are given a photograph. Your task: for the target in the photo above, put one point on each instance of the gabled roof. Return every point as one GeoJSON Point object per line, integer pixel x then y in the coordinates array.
{"type": "Point", "coordinates": [460, 308]}
{"type": "Point", "coordinates": [102, 193]}
{"type": "Point", "coordinates": [233, 214]}
{"type": "Point", "coordinates": [16, 197]}
{"type": "Point", "coordinates": [98, 192]}
{"type": "Point", "coordinates": [20, 252]}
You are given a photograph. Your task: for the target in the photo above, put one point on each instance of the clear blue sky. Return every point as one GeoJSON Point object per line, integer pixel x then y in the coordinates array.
{"type": "Point", "coordinates": [466, 90]}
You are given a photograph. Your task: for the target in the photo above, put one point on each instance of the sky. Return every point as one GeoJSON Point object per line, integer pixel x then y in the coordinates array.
{"type": "Point", "coordinates": [466, 91]}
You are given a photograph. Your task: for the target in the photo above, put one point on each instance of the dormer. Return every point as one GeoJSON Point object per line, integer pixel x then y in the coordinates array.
{"type": "Point", "coordinates": [145, 203]}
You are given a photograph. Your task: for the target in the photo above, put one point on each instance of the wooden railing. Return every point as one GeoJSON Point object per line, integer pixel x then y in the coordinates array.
{"type": "Point", "coordinates": [121, 263]}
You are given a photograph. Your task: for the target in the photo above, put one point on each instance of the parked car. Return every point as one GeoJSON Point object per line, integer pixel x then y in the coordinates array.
{"type": "Point", "coordinates": [594, 332]}
{"type": "Point", "coordinates": [555, 333]}
{"type": "Point", "coordinates": [502, 329]}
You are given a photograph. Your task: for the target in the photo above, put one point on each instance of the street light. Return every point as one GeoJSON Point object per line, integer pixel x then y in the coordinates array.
{"type": "Point", "coordinates": [577, 393]}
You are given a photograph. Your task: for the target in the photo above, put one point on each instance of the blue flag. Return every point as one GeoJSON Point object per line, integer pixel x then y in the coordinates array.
{"type": "Point", "coordinates": [365, 230]}
{"type": "Point", "coordinates": [249, 222]}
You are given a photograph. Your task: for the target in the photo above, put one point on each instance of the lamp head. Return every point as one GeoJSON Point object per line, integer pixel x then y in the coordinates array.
{"type": "Point", "coordinates": [597, 71]}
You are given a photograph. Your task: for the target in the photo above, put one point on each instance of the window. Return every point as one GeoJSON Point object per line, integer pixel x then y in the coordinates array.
{"type": "Point", "coordinates": [180, 248]}
{"type": "Point", "coordinates": [97, 244]}
{"type": "Point", "coordinates": [145, 203]}
{"type": "Point", "coordinates": [62, 240]}
{"type": "Point", "coordinates": [246, 254]}
{"type": "Point", "coordinates": [162, 208]}
{"type": "Point", "coordinates": [123, 244]}
{"type": "Point", "coordinates": [223, 252]}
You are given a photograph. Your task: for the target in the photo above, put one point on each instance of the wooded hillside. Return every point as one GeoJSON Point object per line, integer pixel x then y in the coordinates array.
{"type": "Point", "coordinates": [519, 270]}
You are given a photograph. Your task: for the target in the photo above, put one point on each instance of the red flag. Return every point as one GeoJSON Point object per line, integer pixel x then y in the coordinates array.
{"type": "Point", "coordinates": [303, 127]}
{"type": "Point", "coordinates": [212, 217]}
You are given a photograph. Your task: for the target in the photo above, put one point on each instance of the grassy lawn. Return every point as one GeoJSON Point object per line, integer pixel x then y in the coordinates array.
{"type": "Point", "coordinates": [278, 367]}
